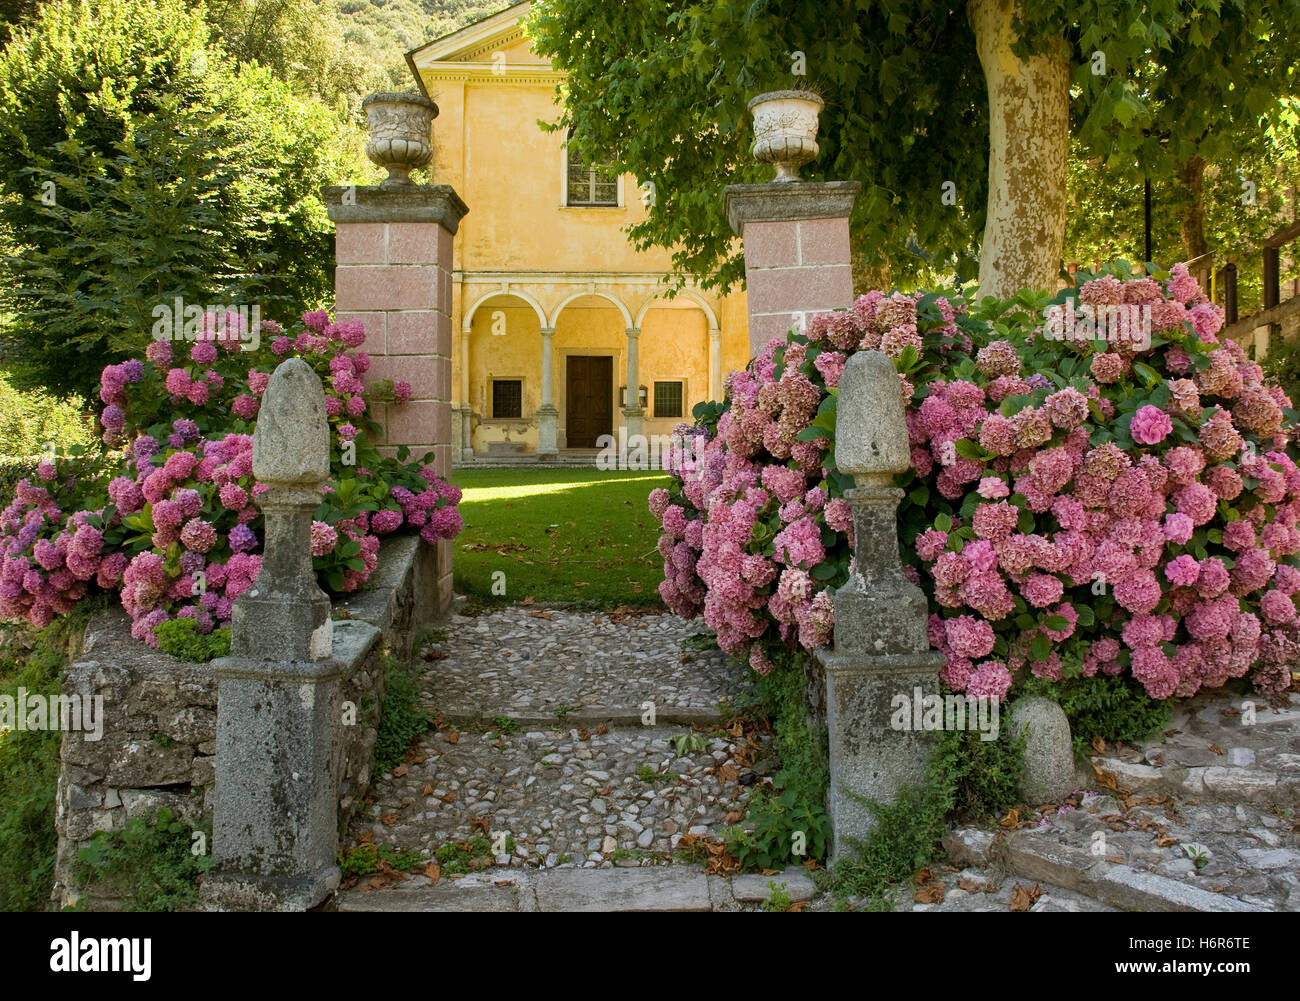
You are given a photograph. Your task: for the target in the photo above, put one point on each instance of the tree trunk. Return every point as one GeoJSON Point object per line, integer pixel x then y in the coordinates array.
{"type": "Point", "coordinates": [1029, 139]}
{"type": "Point", "coordinates": [1192, 175]}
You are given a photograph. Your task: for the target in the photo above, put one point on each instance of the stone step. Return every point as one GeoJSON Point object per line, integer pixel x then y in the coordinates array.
{"type": "Point", "coordinates": [590, 717]}
{"type": "Point", "coordinates": [669, 888]}
{"type": "Point", "coordinates": [1227, 782]}
{"type": "Point", "coordinates": [1034, 855]}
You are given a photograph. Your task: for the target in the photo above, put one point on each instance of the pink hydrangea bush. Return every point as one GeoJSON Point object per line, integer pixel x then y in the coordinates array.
{"type": "Point", "coordinates": [171, 523]}
{"type": "Point", "coordinates": [1075, 507]}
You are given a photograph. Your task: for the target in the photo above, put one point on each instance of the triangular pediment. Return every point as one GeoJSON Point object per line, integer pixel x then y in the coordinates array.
{"type": "Point", "coordinates": [479, 42]}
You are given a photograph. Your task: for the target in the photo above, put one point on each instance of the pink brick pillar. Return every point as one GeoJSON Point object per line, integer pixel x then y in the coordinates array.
{"type": "Point", "coordinates": [392, 248]}
{"type": "Point", "coordinates": [797, 257]}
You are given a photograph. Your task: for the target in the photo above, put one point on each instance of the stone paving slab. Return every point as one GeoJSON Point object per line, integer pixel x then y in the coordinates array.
{"type": "Point", "coordinates": [537, 665]}
{"type": "Point", "coordinates": [665, 888]}
{"type": "Point", "coordinates": [661, 888]}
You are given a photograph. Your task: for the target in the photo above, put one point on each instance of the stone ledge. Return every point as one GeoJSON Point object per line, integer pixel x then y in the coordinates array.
{"type": "Point", "coordinates": [787, 201]}
{"type": "Point", "coordinates": [437, 203]}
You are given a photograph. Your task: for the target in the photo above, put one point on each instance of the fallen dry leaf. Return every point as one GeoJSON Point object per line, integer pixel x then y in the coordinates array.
{"type": "Point", "coordinates": [601, 730]}
{"type": "Point", "coordinates": [388, 819]}
{"type": "Point", "coordinates": [399, 771]}
{"type": "Point", "coordinates": [1166, 842]}
{"type": "Point", "coordinates": [930, 893]}
{"type": "Point", "coordinates": [1098, 745]}
{"type": "Point", "coordinates": [1023, 898]}
{"type": "Point", "coordinates": [428, 790]}
{"type": "Point", "coordinates": [925, 875]}
{"type": "Point", "coordinates": [541, 615]}
{"type": "Point", "coordinates": [1116, 859]}
{"type": "Point", "coordinates": [969, 885]}
{"type": "Point", "coordinates": [481, 823]}
{"type": "Point", "coordinates": [734, 817]}
{"type": "Point", "coordinates": [1010, 820]}
{"type": "Point", "coordinates": [448, 797]}
{"type": "Point", "coordinates": [1216, 748]}
{"type": "Point", "coordinates": [527, 601]}
{"type": "Point", "coordinates": [727, 773]}
{"type": "Point", "coordinates": [434, 872]}
{"type": "Point", "coordinates": [1105, 779]}
{"type": "Point", "coordinates": [452, 737]}
{"type": "Point", "coordinates": [796, 907]}
{"type": "Point", "coordinates": [434, 655]}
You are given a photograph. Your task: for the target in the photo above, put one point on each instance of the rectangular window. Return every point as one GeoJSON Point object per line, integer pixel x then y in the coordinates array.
{"type": "Point", "coordinates": [590, 185]}
{"type": "Point", "coordinates": [668, 399]}
{"type": "Point", "coordinates": [507, 398]}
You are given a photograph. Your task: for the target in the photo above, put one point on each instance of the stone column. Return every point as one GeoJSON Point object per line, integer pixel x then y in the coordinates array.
{"type": "Point", "coordinates": [797, 256]}
{"type": "Point", "coordinates": [466, 441]}
{"type": "Point", "coordinates": [393, 248]}
{"type": "Point", "coordinates": [715, 364]}
{"type": "Point", "coordinates": [881, 649]}
{"type": "Point", "coordinates": [275, 832]}
{"type": "Point", "coordinates": [633, 412]}
{"type": "Point", "coordinates": [548, 414]}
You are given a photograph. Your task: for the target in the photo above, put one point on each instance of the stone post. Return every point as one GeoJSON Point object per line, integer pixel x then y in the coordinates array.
{"type": "Point", "coordinates": [275, 833]}
{"type": "Point", "coordinates": [548, 414]}
{"type": "Point", "coordinates": [797, 256]}
{"type": "Point", "coordinates": [393, 249]}
{"type": "Point", "coordinates": [633, 412]}
{"type": "Point", "coordinates": [881, 649]}
{"type": "Point", "coordinates": [715, 364]}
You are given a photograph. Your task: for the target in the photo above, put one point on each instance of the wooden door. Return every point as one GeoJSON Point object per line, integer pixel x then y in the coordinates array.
{"type": "Point", "coordinates": [589, 395]}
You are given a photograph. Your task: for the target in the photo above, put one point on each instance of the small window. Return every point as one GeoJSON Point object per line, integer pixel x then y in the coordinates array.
{"type": "Point", "coordinates": [507, 398]}
{"type": "Point", "coordinates": [668, 399]}
{"type": "Point", "coordinates": [589, 185]}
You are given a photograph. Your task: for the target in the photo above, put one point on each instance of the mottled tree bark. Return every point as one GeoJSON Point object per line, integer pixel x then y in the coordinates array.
{"type": "Point", "coordinates": [1192, 175]}
{"type": "Point", "coordinates": [1029, 138]}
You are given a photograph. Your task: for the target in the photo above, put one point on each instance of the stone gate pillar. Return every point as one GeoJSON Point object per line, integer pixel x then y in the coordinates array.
{"type": "Point", "coordinates": [393, 253]}
{"type": "Point", "coordinates": [797, 256]}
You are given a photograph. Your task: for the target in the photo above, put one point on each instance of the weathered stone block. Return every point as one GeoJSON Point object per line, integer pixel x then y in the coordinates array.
{"type": "Point", "coordinates": [1048, 755]}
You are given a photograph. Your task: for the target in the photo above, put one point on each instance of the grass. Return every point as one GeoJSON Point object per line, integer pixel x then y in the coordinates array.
{"type": "Point", "coordinates": [581, 535]}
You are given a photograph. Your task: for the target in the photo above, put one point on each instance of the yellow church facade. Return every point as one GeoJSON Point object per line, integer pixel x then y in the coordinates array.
{"type": "Point", "coordinates": [554, 313]}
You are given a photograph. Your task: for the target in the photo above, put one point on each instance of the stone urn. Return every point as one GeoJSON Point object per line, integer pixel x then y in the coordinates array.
{"type": "Point", "coordinates": [785, 130]}
{"type": "Point", "coordinates": [401, 134]}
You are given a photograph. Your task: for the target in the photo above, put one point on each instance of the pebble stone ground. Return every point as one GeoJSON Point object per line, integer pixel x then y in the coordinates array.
{"type": "Point", "coordinates": [556, 741]}
{"type": "Point", "coordinates": [544, 737]}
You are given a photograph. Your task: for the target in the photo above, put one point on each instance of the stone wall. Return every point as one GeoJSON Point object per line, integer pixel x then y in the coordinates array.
{"type": "Point", "coordinates": [160, 713]}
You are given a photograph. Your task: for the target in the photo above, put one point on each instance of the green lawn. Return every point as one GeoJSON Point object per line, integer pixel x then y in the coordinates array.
{"type": "Point", "coordinates": [559, 535]}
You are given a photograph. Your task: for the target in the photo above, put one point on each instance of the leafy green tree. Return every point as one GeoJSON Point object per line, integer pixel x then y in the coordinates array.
{"type": "Point", "coordinates": [984, 95]}
{"type": "Point", "coordinates": [136, 167]}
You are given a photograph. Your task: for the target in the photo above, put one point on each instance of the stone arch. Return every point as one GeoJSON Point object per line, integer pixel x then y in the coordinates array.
{"type": "Point", "coordinates": [685, 293]}
{"type": "Point", "coordinates": [467, 318]}
{"type": "Point", "coordinates": [617, 303]}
